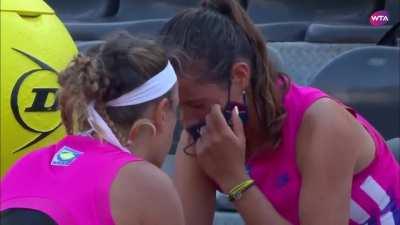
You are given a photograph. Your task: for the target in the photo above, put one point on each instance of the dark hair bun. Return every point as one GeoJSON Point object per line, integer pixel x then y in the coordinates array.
{"type": "Point", "coordinates": [223, 6]}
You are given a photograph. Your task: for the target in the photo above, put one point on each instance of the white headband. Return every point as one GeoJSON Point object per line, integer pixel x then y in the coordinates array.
{"type": "Point", "coordinates": [155, 87]}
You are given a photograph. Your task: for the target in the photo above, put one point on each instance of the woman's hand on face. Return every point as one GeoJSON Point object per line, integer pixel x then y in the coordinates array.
{"type": "Point", "coordinates": [221, 149]}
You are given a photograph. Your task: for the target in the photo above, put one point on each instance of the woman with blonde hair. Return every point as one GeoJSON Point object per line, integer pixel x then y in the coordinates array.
{"type": "Point", "coordinates": [118, 105]}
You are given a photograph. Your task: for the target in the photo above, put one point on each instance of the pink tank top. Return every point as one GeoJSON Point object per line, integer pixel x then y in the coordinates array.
{"type": "Point", "coordinates": [375, 196]}
{"type": "Point", "coordinates": [70, 181]}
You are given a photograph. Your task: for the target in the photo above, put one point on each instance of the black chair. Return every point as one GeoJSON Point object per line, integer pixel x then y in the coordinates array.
{"type": "Point", "coordinates": [88, 10]}
{"type": "Point", "coordinates": [284, 31]}
{"type": "Point", "coordinates": [349, 33]}
{"type": "Point", "coordinates": [137, 17]}
{"type": "Point", "coordinates": [367, 79]}
{"type": "Point", "coordinates": [393, 7]}
{"type": "Point", "coordinates": [351, 12]}
{"type": "Point", "coordinates": [89, 31]}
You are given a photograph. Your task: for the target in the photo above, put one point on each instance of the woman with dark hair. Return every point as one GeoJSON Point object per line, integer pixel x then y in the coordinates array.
{"type": "Point", "coordinates": [282, 153]}
{"type": "Point", "coordinates": [118, 105]}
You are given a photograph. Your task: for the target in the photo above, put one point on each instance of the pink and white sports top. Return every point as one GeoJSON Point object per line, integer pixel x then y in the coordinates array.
{"type": "Point", "coordinates": [375, 195]}
{"type": "Point", "coordinates": [70, 181]}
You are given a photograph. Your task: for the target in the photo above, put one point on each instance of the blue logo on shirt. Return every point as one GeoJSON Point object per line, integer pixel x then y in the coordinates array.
{"type": "Point", "coordinates": [248, 169]}
{"type": "Point", "coordinates": [282, 180]}
{"type": "Point", "coordinates": [65, 156]}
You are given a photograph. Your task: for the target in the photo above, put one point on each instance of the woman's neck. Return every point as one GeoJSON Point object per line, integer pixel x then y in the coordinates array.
{"type": "Point", "coordinates": [256, 137]}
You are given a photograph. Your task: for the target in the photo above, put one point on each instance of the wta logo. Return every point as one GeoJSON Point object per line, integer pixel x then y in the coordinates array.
{"type": "Point", "coordinates": [379, 18]}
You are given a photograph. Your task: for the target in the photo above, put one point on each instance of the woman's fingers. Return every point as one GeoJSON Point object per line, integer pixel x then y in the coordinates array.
{"type": "Point", "coordinates": [237, 125]}
{"type": "Point", "coordinates": [216, 120]}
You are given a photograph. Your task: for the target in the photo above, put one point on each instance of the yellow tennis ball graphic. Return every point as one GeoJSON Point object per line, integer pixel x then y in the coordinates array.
{"type": "Point", "coordinates": [34, 46]}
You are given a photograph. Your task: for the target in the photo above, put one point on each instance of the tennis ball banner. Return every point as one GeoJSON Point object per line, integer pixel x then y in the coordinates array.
{"type": "Point", "coordinates": [34, 46]}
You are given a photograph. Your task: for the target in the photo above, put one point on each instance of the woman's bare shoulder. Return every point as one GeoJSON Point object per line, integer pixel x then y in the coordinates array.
{"type": "Point", "coordinates": [143, 192]}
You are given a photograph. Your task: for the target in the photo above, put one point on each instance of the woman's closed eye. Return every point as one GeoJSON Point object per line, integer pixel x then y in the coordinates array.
{"type": "Point", "coordinates": [193, 105]}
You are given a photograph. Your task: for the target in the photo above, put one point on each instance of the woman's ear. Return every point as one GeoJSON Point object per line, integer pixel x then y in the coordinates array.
{"type": "Point", "coordinates": [160, 115]}
{"type": "Point", "coordinates": [240, 75]}
{"type": "Point", "coordinates": [144, 125]}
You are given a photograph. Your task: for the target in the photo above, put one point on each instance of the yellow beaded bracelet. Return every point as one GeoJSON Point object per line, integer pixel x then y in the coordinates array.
{"type": "Point", "coordinates": [236, 192]}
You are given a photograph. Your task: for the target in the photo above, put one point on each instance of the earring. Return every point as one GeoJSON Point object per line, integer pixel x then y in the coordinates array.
{"type": "Point", "coordinates": [244, 97]}
{"type": "Point", "coordinates": [145, 122]}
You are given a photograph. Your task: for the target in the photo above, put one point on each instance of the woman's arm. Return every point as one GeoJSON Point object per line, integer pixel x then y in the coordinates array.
{"type": "Point", "coordinates": [221, 155]}
{"type": "Point", "coordinates": [196, 190]}
{"type": "Point", "coordinates": [331, 147]}
{"type": "Point", "coordinates": [255, 209]}
{"type": "Point", "coordinates": [142, 194]}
